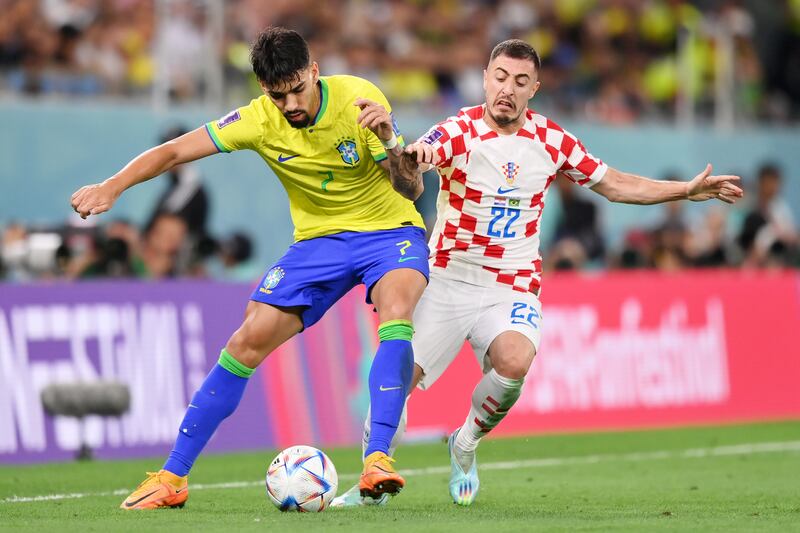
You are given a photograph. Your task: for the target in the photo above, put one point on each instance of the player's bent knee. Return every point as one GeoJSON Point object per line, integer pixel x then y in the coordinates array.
{"type": "Point", "coordinates": [512, 355]}
{"type": "Point", "coordinates": [249, 344]}
{"type": "Point", "coordinates": [246, 349]}
{"type": "Point", "coordinates": [397, 309]}
{"type": "Point", "coordinates": [513, 367]}
{"type": "Point", "coordinates": [264, 328]}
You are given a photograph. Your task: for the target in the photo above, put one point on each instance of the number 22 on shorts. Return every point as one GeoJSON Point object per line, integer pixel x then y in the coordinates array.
{"type": "Point", "coordinates": [524, 313]}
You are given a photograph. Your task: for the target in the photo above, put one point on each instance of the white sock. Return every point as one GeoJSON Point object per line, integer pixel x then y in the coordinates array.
{"type": "Point", "coordinates": [492, 398]}
{"type": "Point", "coordinates": [398, 435]}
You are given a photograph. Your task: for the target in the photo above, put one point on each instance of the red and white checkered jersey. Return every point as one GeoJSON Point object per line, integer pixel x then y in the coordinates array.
{"type": "Point", "coordinates": [492, 194]}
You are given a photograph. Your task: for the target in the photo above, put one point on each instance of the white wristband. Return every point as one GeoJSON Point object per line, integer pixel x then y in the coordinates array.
{"type": "Point", "coordinates": [391, 143]}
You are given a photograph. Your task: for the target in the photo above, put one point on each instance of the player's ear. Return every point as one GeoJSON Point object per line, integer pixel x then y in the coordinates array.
{"type": "Point", "coordinates": [314, 72]}
{"type": "Point", "coordinates": [535, 89]}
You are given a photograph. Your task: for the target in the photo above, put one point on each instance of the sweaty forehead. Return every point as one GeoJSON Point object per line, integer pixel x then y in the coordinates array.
{"type": "Point", "coordinates": [514, 67]}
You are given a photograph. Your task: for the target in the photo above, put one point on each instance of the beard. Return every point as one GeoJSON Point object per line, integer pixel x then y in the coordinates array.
{"type": "Point", "coordinates": [301, 121]}
{"type": "Point", "coordinates": [504, 120]}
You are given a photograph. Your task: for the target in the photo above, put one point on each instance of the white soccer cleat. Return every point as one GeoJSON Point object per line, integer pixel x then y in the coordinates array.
{"type": "Point", "coordinates": [353, 498]}
{"type": "Point", "coordinates": [463, 485]}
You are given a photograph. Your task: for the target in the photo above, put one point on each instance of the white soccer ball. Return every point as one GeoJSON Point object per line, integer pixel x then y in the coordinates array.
{"type": "Point", "coordinates": [301, 478]}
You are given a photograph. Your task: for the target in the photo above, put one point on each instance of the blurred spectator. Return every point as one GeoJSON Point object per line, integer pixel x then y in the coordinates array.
{"type": "Point", "coordinates": [670, 237]}
{"type": "Point", "coordinates": [667, 258]}
{"type": "Point", "coordinates": [164, 246]}
{"type": "Point", "coordinates": [181, 48]}
{"type": "Point", "coordinates": [81, 250]}
{"type": "Point", "coordinates": [185, 196]}
{"type": "Point", "coordinates": [566, 254]}
{"type": "Point", "coordinates": [114, 253]}
{"type": "Point", "coordinates": [637, 250]}
{"type": "Point", "coordinates": [234, 259]}
{"type": "Point", "coordinates": [236, 250]}
{"type": "Point", "coordinates": [768, 232]}
{"type": "Point", "coordinates": [709, 245]}
{"type": "Point", "coordinates": [15, 252]}
{"type": "Point", "coordinates": [578, 221]}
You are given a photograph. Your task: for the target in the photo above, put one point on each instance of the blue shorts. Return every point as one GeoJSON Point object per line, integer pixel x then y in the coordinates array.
{"type": "Point", "coordinates": [317, 272]}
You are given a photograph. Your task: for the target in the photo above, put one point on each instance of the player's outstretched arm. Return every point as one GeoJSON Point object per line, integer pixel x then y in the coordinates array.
{"type": "Point", "coordinates": [627, 188]}
{"type": "Point", "coordinates": [98, 198]}
{"type": "Point", "coordinates": [404, 172]}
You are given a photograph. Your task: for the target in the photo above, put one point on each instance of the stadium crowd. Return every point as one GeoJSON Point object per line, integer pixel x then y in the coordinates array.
{"type": "Point", "coordinates": [174, 242]}
{"type": "Point", "coordinates": [615, 61]}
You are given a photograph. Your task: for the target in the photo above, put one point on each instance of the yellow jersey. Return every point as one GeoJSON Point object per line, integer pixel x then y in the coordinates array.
{"type": "Point", "coordinates": [330, 168]}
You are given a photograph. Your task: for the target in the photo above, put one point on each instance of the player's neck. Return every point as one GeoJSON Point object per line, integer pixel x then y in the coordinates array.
{"type": "Point", "coordinates": [506, 129]}
{"type": "Point", "coordinates": [316, 106]}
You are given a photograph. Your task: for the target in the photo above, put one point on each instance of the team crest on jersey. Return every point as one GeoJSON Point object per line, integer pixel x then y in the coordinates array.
{"type": "Point", "coordinates": [271, 280]}
{"type": "Point", "coordinates": [510, 170]}
{"type": "Point", "coordinates": [347, 149]}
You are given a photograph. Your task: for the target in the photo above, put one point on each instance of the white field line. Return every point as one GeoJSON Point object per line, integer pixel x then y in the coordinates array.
{"type": "Point", "coordinates": [693, 453]}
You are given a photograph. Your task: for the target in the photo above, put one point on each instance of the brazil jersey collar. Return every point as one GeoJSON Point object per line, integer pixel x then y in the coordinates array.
{"type": "Point", "coordinates": [323, 101]}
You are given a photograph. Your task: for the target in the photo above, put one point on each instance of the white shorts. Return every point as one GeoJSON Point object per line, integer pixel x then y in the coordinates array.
{"type": "Point", "coordinates": [452, 311]}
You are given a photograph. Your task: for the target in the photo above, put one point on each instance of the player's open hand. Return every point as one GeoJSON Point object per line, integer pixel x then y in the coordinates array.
{"type": "Point", "coordinates": [426, 156]}
{"type": "Point", "coordinates": [706, 187]}
{"type": "Point", "coordinates": [375, 117]}
{"type": "Point", "coordinates": [93, 199]}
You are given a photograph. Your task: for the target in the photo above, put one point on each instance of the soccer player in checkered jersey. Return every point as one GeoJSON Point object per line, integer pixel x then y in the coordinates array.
{"type": "Point", "coordinates": [496, 162]}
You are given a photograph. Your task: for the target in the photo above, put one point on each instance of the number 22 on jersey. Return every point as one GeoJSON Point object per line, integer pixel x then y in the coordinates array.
{"type": "Point", "coordinates": [510, 215]}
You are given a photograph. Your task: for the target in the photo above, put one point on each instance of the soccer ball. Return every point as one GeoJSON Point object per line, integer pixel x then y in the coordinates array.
{"type": "Point", "coordinates": [301, 478]}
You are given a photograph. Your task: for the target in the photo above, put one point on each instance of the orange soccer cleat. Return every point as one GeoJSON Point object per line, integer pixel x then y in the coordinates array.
{"type": "Point", "coordinates": [379, 476]}
{"type": "Point", "coordinates": [159, 489]}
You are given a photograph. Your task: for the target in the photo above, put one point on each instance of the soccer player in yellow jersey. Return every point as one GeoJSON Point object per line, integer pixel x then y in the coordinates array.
{"type": "Point", "coordinates": [335, 147]}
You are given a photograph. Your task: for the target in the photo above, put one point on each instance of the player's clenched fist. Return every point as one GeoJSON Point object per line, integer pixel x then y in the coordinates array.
{"type": "Point", "coordinates": [93, 199]}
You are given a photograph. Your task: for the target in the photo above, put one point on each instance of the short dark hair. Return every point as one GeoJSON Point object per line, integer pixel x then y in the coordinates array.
{"type": "Point", "coordinates": [278, 55]}
{"type": "Point", "coordinates": [769, 170]}
{"type": "Point", "coordinates": [516, 49]}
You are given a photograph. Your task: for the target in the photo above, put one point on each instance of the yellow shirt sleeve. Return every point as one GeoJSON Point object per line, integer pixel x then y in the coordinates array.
{"type": "Point", "coordinates": [371, 92]}
{"type": "Point", "coordinates": [238, 130]}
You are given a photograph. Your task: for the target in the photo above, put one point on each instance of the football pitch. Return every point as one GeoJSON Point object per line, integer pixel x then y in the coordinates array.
{"type": "Point", "coordinates": [727, 478]}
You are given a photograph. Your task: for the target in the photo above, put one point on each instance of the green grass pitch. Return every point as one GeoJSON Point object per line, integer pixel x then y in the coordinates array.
{"type": "Point", "coordinates": [728, 478]}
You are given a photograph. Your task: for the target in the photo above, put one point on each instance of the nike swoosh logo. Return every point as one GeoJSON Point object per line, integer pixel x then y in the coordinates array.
{"type": "Point", "coordinates": [404, 259]}
{"type": "Point", "coordinates": [282, 159]}
{"type": "Point", "coordinates": [384, 389]}
{"type": "Point", "coordinates": [131, 504]}
{"type": "Point", "coordinates": [178, 491]}
{"type": "Point", "coordinates": [501, 190]}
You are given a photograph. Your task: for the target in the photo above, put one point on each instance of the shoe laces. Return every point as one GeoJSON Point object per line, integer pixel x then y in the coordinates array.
{"type": "Point", "coordinates": [149, 478]}
{"type": "Point", "coordinates": [384, 460]}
